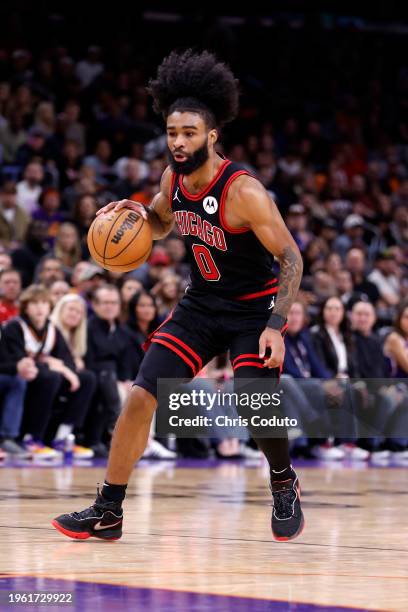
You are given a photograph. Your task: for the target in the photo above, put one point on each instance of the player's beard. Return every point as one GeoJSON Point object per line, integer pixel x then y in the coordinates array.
{"type": "Point", "coordinates": [193, 161]}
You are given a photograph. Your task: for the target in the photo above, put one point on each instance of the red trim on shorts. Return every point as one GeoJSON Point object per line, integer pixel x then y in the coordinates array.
{"type": "Point", "coordinates": [206, 189]}
{"type": "Point", "coordinates": [232, 178]}
{"type": "Point", "coordinates": [244, 355]}
{"type": "Point", "coordinates": [252, 296]}
{"type": "Point", "coordinates": [173, 180]}
{"type": "Point", "coordinates": [271, 282]}
{"type": "Point", "coordinates": [184, 345]}
{"type": "Point", "coordinates": [176, 350]}
{"type": "Point", "coordinates": [254, 364]}
{"type": "Point", "coordinates": [147, 342]}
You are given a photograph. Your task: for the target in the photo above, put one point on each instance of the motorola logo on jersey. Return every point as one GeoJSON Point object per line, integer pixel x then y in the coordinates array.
{"type": "Point", "coordinates": [191, 224]}
{"type": "Point", "coordinates": [210, 205]}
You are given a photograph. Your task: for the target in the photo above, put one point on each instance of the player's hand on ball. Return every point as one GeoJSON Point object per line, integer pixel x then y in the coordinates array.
{"type": "Point", "coordinates": [272, 338]}
{"type": "Point", "coordinates": [131, 204]}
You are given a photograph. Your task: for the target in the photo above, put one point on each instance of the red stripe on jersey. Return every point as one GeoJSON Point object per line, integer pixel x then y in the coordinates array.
{"type": "Point", "coordinates": [244, 356]}
{"type": "Point", "coordinates": [183, 345]}
{"type": "Point", "coordinates": [253, 364]}
{"type": "Point", "coordinates": [206, 189]}
{"type": "Point", "coordinates": [252, 296]}
{"type": "Point", "coordinates": [179, 353]}
{"type": "Point", "coordinates": [232, 178]}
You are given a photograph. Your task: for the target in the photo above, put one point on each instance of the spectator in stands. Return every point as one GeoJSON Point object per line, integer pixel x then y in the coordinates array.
{"type": "Point", "coordinates": [69, 317]}
{"type": "Point", "coordinates": [142, 321]}
{"type": "Point", "coordinates": [5, 260]}
{"type": "Point", "coordinates": [35, 147]}
{"type": "Point", "coordinates": [10, 289]}
{"type": "Point", "coordinates": [385, 278]}
{"type": "Point", "coordinates": [70, 164]}
{"type": "Point", "coordinates": [167, 293]}
{"type": "Point", "coordinates": [84, 213]}
{"type": "Point", "coordinates": [13, 380]}
{"type": "Point", "coordinates": [91, 67]}
{"type": "Point", "coordinates": [12, 136]}
{"type": "Point", "coordinates": [100, 161]}
{"type": "Point", "coordinates": [33, 335]}
{"type": "Point", "coordinates": [306, 401]}
{"type": "Point", "coordinates": [126, 187]}
{"type": "Point", "coordinates": [49, 212]}
{"type": "Point", "coordinates": [58, 289]}
{"type": "Point", "coordinates": [372, 365]}
{"type": "Point", "coordinates": [128, 287]}
{"type": "Point", "coordinates": [67, 246]}
{"type": "Point", "coordinates": [353, 235]}
{"type": "Point", "coordinates": [30, 188]}
{"type": "Point", "coordinates": [356, 263]}
{"type": "Point", "coordinates": [109, 355]}
{"type": "Point", "coordinates": [26, 257]}
{"type": "Point", "coordinates": [335, 347]}
{"type": "Point", "coordinates": [49, 270]}
{"type": "Point", "coordinates": [14, 220]}
{"type": "Point", "coordinates": [396, 343]}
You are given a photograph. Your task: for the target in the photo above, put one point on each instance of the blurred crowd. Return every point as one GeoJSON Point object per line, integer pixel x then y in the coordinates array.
{"type": "Point", "coordinates": [75, 135]}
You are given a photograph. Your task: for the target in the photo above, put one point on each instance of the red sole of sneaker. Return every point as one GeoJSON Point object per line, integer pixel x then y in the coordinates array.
{"type": "Point", "coordinates": [295, 535]}
{"type": "Point", "coordinates": [77, 536]}
{"type": "Point", "coordinates": [299, 531]}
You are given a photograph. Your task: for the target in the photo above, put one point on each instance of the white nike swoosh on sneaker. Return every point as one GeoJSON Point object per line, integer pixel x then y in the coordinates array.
{"type": "Point", "coordinates": [98, 525]}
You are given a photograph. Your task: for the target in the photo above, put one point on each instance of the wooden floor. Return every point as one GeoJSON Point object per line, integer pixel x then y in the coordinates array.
{"type": "Point", "coordinates": [206, 530]}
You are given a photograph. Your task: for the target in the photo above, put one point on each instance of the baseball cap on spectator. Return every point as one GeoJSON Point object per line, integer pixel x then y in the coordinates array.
{"type": "Point", "coordinates": [89, 272]}
{"type": "Point", "coordinates": [159, 258]}
{"type": "Point", "coordinates": [330, 223]}
{"type": "Point", "coordinates": [352, 221]}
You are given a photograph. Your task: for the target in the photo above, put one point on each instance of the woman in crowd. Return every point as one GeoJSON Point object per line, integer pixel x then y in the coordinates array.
{"type": "Point", "coordinates": [143, 316]}
{"type": "Point", "coordinates": [142, 321]}
{"type": "Point", "coordinates": [396, 350]}
{"type": "Point", "coordinates": [129, 286]}
{"type": "Point", "coordinates": [67, 246]}
{"type": "Point", "coordinates": [58, 289]}
{"type": "Point", "coordinates": [334, 345]}
{"type": "Point", "coordinates": [34, 335]}
{"type": "Point", "coordinates": [167, 293]}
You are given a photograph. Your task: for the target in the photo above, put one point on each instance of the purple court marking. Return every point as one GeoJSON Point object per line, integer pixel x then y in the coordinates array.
{"type": "Point", "coordinates": [99, 597]}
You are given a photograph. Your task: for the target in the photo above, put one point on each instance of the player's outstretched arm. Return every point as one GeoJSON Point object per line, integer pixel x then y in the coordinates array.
{"type": "Point", "coordinates": [254, 208]}
{"type": "Point", "coordinates": [159, 213]}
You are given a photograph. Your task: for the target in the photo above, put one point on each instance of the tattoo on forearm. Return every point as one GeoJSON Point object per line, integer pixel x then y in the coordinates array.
{"type": "Point", "coordinates": [291, 268]}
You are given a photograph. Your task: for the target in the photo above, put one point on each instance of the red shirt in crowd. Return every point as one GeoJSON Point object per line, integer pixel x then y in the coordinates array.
{"type": "Point", "coordinates": [8, 310]}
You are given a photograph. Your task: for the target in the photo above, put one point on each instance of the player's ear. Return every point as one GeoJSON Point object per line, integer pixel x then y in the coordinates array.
{"type": "Point", "coordinates": [213, 136]}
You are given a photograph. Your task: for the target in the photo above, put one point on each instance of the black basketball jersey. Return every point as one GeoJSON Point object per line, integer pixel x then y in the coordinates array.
{"type": "Point", "coordinates": [230, 263]}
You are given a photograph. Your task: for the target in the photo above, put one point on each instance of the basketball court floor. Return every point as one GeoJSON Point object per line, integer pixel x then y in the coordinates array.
{"type": "Point", "coordinates": [197, 538]}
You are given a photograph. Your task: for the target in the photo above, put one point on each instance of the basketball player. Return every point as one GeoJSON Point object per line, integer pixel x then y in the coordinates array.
{"type": "Point", "coordinates": [232, 230]}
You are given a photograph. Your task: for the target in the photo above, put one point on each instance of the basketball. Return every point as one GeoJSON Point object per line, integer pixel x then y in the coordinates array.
{"type": "Point", "coordinates": [120, 241]}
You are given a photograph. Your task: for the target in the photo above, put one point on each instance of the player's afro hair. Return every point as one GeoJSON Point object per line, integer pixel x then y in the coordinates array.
{"type": "Point", "coordinates": [196, 82]}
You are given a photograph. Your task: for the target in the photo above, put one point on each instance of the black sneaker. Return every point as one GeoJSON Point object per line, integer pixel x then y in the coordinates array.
{"type": "Point", "coordinates": [287, 516]}
{"type": "Point", "coordinates": [102, 520]}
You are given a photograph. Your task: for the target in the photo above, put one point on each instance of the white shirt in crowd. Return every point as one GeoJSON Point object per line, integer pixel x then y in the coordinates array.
{"type": "Point", "coordinates": [28, 196]}
{"type": "Point", "coordinates": [340, 349]}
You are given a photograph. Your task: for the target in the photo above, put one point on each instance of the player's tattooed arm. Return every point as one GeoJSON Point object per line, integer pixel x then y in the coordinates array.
{"type": "Point", "coordinates": [256, 209]}
{"type": "Point", "coordinates": [160, 214]}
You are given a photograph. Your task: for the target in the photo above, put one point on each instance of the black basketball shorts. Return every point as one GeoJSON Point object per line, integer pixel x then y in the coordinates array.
{"type": "Point", "coordinates": [200, 327]}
